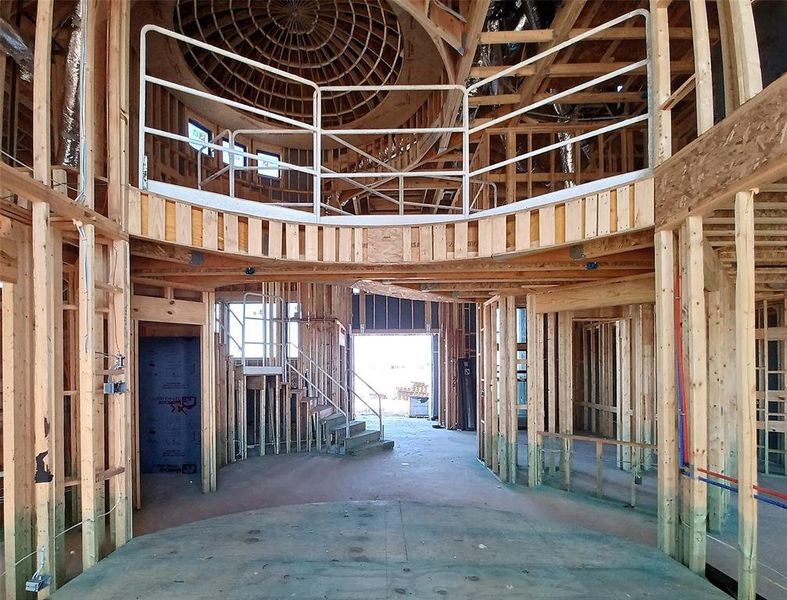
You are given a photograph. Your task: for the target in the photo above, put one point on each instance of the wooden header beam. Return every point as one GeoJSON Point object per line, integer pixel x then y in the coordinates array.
{"type": "Point", "coordinates": [746, 150]}
{"type": "Point", "coordinates": [639, 289]}
{"type": "Point", "coordinates": [19, 183]}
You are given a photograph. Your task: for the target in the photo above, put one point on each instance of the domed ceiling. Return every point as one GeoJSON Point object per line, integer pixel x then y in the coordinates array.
{"type": "Point", "coordinates": [330, 42]}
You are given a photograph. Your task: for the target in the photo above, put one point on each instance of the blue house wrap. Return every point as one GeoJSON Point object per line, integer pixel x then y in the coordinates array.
{"type": "Point", "coordinates": [169, 404]}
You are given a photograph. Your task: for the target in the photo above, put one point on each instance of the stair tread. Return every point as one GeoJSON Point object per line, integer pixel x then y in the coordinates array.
{"type": "Point", "coordinates": [341, 425]}
{"type": "Point", "coordinates": [377, 446]}
{"type": "Point", "coordinates": [365, 434]}
{"type": "Point", "coordinates": [361, 439]}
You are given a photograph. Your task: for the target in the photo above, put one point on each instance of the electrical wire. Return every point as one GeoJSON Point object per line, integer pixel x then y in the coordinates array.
{"type": "Point", "coordinates": [759, 564]}
{"type": "Point", "coordinates": [65, 531]}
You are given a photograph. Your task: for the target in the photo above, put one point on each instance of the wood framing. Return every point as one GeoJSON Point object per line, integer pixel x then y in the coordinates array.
{"type": "Point", "coordinates": [745, 388]}
{"type": "Point", "coordinates": [665, 394]}
{"type": "Point", "coordinates": [742, 152]}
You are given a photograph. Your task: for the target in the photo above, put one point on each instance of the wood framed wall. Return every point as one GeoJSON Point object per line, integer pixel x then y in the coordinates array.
{"type": "Point", "coordinates": [497, 402]}
{"type": "Point", "coordinates": [66, 304]}
{"type": "Point", "coordinates": [706, 403]}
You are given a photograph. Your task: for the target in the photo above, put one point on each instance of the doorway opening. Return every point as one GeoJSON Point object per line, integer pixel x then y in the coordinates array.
{"type": "Point", "coordinates": [170, 407]}
{"type": "Point", "coordinates": [400, 368]}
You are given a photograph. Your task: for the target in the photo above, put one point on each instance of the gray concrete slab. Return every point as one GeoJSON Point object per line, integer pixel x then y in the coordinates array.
{"type": "Point", "coordinates": [383, 549]}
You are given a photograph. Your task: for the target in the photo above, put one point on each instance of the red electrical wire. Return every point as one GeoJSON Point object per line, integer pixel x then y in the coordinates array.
{"type": "Point", "coordinates": [757, 488]}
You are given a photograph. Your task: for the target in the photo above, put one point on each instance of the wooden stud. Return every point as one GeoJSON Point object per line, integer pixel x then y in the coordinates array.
{"type": "Point", "coordinates": [565, 347]}
{"type": "Point", "coordinates": [666, 397]}
{"type": "Point", "coordinates": [292, 241]}
{"type": "Point", "coordinates": [18, 497]}
{"type": "Point", "coordinates": [703, 89]}
{"type": "Point", "coordinates": [693, 296]}
{"type": "Point", "coordinates": [522, 231]}
{"type": "Point", "coordinates": [746, 394]}
{"type": "Point", "coordinates": [230, 222]}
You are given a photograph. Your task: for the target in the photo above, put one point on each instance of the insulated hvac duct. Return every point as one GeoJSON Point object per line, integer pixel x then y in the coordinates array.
{"type": "Point", "coordinates": [12, 44]}
{"type": "Point", "coordinates": [69, 149]}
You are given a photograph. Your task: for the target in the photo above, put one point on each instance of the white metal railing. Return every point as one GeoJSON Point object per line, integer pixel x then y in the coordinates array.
{"type": "Point", "coordinates": [273, 332]}
{"type": "Point", "coordinates": [279, 352]}
{"type": "Point", "coordinates": [325, 396]}
{"type": "Point", "coordinates": [347, 390]}
{"type": "Point", "coordinates": [379, 412]}
{"type": "Point", "coordinates": [369, 181]}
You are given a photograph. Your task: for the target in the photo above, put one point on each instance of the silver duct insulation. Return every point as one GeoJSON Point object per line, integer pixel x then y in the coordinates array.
{"type": "Point", "coordinates": [12, 44]}
{"type": "Point", "coordinates": [566, 152]}
{"type": "Point", "coordinates": [69, 149]}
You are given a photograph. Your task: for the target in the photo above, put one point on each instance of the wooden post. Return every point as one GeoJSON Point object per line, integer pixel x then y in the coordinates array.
{"type": "Point", "coordinates": [479, 388]}
{"type": "Point", "coordinates": [18, 464]}
{"type": "Point", "coordinates": [207, 391]}
{"type": "Point", "coordinates": [747, 53]}
{"type": "Point", "coordinates": [552, 382]}
{"type": "Point", "coordinates": [489, 364]}
{"type": "Point", "coordinates": [693, 299]}
{"type": "Point", "coordinates": [599, 469]}
{"type": "Point", "coordinates": [508, 375]}
{"type": "Point", "coordinates": [535, 392]}
{"type": "Point", "coordinates": [665, 394]}
{"type": "Point", "coordinates": [119, 320]}
{"type": "Point", "coordinates": [48, 475]}
{"type": "Point", "coordinates": [565, 348]}
{"type": "Point", "coordinates": [504, 354]}
{"type": "Point", "coordinates": [89, 425]}
{"type": "Point", "coordinates": [716, 368]}
{"type": "Point", "coordinates": [648, 382]}
{"type": "Point", "coordinates": [87, 399]}
{"type": "Point", "coordinates": [747, 417]}
{"type": "Point", "coordinates": [624, 393]}
{"type": "Point", "coordinates": [662, 81]}
{"type": "Point", "coordinates": [637, 386]}
{"type": "Point", "coordinates": [702, 65]}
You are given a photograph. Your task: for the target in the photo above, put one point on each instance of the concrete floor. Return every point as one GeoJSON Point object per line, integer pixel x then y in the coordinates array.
{"type": "Point", "coordinates": [386, 549]}
{"type": "Point", "coordinates": [430, 466]}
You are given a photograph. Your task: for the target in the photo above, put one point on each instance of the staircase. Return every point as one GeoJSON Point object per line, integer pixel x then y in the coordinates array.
{"type": "Point", "coordinates": [305, 408]}
{"type": "Point", "coordinates": [328, 425]}
{"type": "Point", "coordinates": [360, 441]}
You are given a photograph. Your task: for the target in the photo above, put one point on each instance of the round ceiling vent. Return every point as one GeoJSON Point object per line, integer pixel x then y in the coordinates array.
{"type": "Point", "coordinates": [330, 42]}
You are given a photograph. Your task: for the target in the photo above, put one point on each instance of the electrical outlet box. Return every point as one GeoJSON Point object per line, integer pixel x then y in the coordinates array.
{"type": "Point", "coordinates": [37, 583]}
{"type": "Point", "coordinates": [114, 387]}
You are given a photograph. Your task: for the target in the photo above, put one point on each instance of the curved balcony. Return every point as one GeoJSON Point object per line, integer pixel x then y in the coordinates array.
{"type": "Point", "coordinates": [320, 217]}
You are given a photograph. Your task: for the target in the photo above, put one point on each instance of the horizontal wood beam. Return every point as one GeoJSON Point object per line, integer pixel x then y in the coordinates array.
{"type": "Point", "coordinates": [164, 310]}
{"type": "Point", "coordinates": [597, 98]}
{"type": "Point", "coordinates": [744, 151]}
{"type": "Point", "coordinates": [23, 185]}
{"type": "Point", "coordinates": [587, 69]}
{"type": "Point", "coordinates": [529, 36]}
{"type": "Point", "coordinates": [640, 289]}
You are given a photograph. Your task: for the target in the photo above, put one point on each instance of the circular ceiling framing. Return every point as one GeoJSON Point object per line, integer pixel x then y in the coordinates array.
{"type": "Point", "coordinates": [330, 42]}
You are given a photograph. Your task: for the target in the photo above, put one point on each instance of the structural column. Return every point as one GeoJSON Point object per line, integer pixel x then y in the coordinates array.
{"type": "Point", "coordinates": [535, 392]}
{"type": "Point", "coordinates": [565, 350]}
{"type": "Point", "coordinates": [695, 344]}
{"type": "Point", "coordinates": [746, 392]}
{"type": "Point", "coordinates": [666, 403]}
{"type": "Point", "coordinates": [17, 341]}
{"type": "Point", "coordinates": [47, 281]}
{"type": "Point", "coordinates": [208, 393]}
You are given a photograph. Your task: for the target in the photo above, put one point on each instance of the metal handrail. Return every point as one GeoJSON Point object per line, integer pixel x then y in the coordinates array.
{"type": "Point", "coordinates": [376, 393]}
{"type": "Point", "coordinates": [378, 413]}
{"type": "Point", "coordinates": [315, 129]}
{"type": "Point", "coordinates": [324, 395]}
{"type": "Point", "coordinates": [266, 300]}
